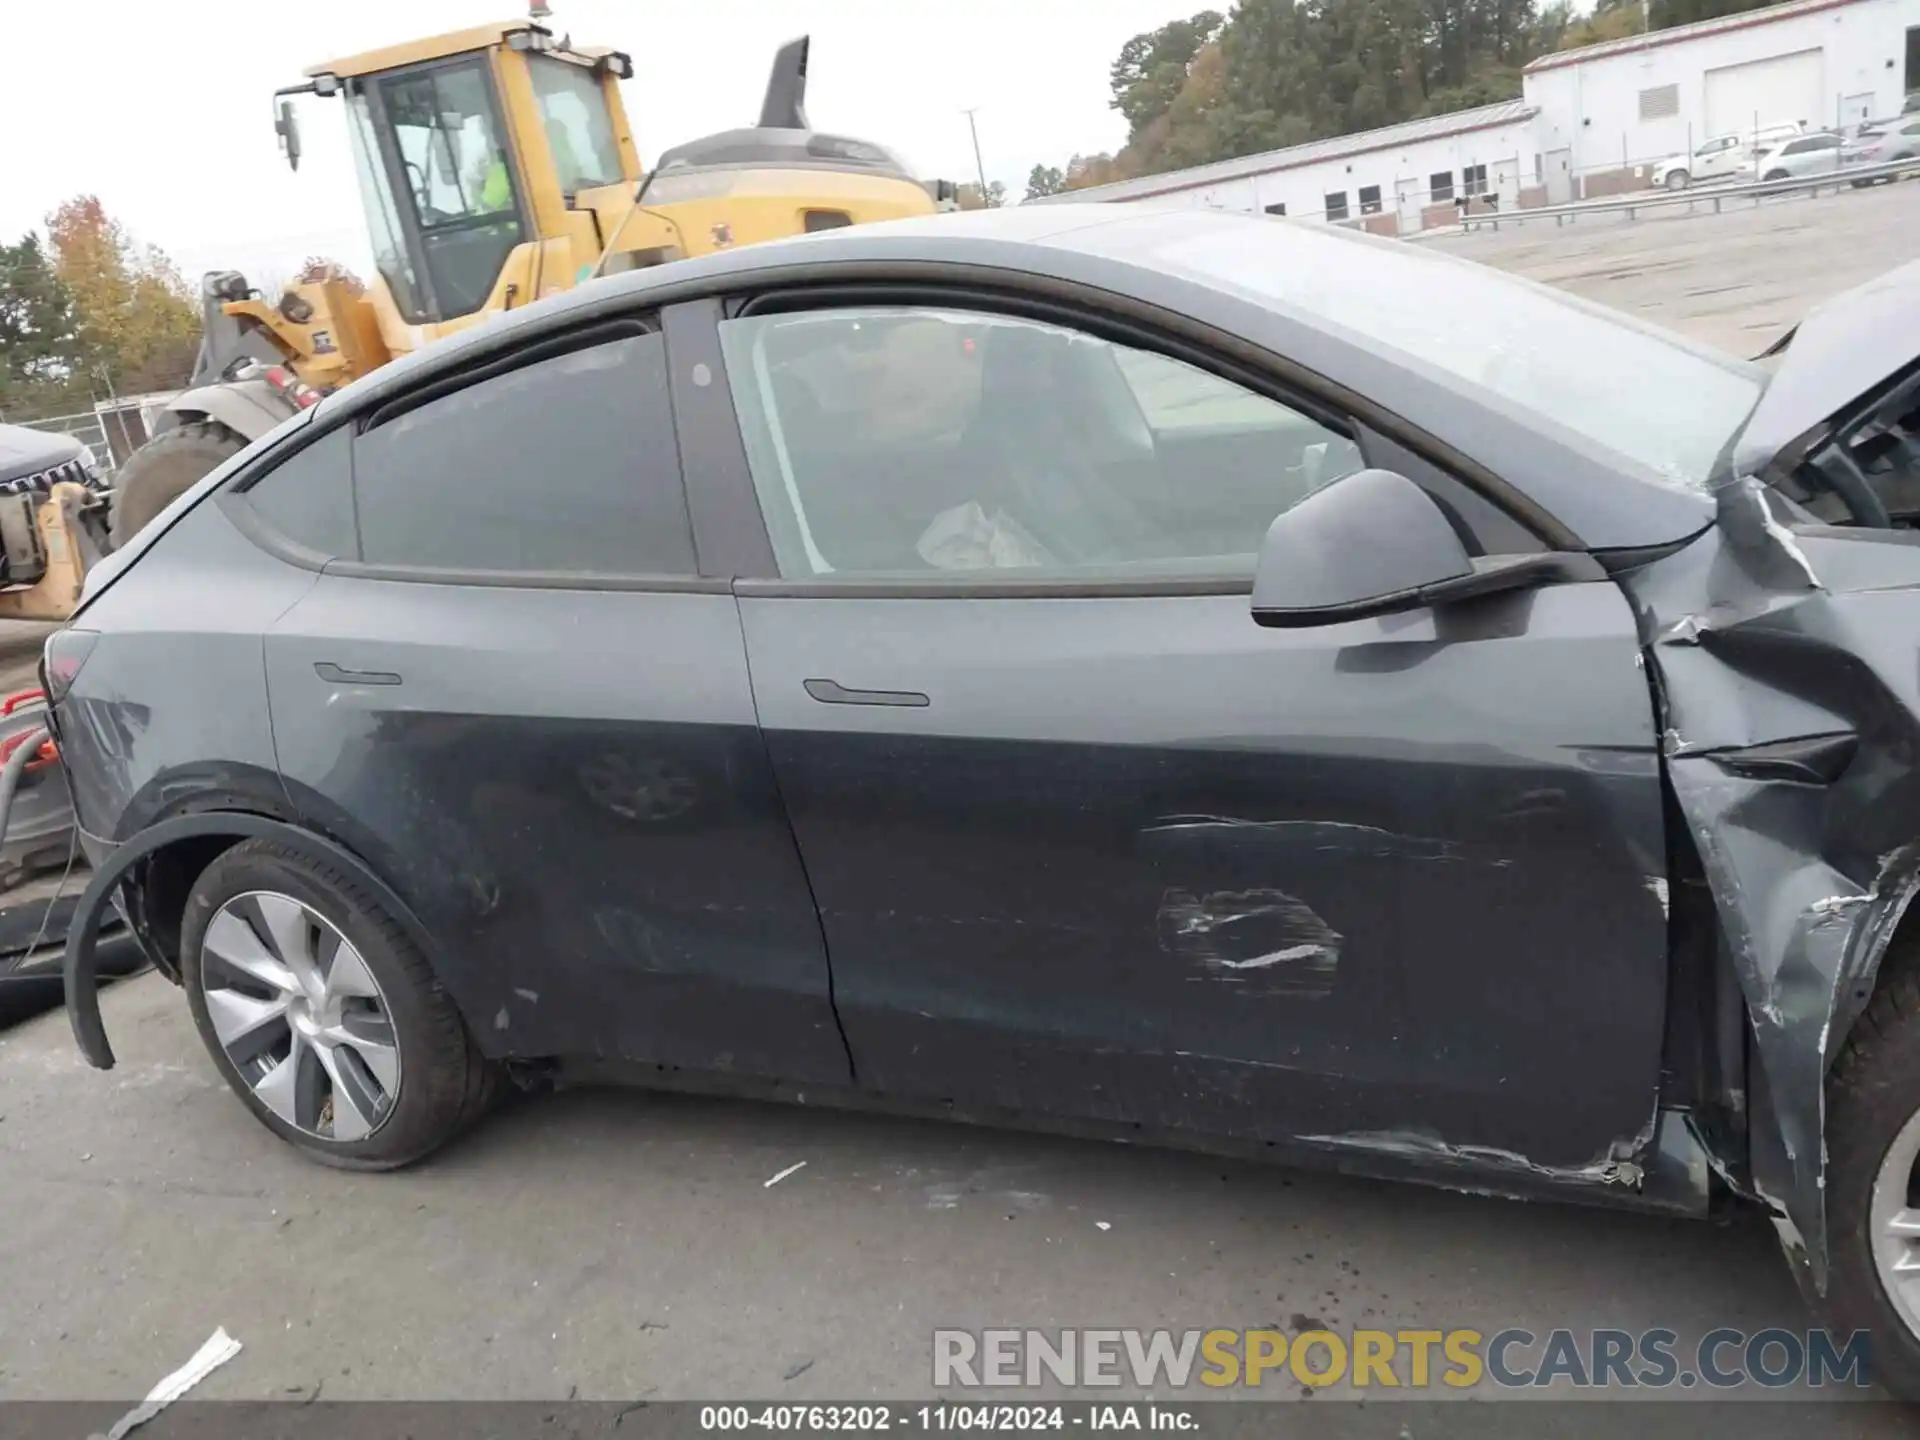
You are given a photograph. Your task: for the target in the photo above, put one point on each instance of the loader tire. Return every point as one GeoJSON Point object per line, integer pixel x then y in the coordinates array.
{"type": "Point", "coordinates": [164, 469]}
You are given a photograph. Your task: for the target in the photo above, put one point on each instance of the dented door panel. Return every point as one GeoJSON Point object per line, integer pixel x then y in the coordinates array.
{"type": "Point", "coordinates": [1394, 885]}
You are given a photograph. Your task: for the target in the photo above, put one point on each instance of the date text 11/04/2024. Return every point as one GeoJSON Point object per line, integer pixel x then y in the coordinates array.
{"type": "Point", "coordinates": [962, 1416]}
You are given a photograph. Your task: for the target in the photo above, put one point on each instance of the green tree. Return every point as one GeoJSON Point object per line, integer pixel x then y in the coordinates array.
{"type": "Point", "coordinates": [40, 349]}
{"type": "Point", "coordinates": [1610, 20]}
{"type": "Point", "coordinates": [1045, 180]}
{"type": "Point", "coordinates": [1664, 14]}
{"type": "Point", "coordinates": [139, 325]}
{"type": "Point", "coordinates": [1153, 67]}
{"type": "Point", "coordinates": [969, 197]}
{"type": "Point", "coordinates": [1275, 73]}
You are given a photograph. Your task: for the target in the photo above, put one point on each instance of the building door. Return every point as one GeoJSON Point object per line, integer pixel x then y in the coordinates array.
{"type": "Point", "coordinates": [1559, 176]}
{"type": "Point", "coordinates": [1855, 108]}
{"type": "Point", "coordinates": [1407, 195]}
{"type": "Point", "coordinates": [1780, 90]}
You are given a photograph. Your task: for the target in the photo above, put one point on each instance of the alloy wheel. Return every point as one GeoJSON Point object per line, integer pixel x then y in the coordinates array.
{"type": "Point", "coordinates": [300, 1016]}
{"type": "Point", "coordinates": [1894, 1216]}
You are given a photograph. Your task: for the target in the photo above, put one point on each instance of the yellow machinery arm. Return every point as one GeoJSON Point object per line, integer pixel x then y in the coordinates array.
{"type": "Point", "coordinates": [50, 546]}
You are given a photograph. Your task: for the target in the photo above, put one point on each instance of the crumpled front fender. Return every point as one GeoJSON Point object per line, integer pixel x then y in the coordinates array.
{"type": "Point", "coordinates": [1787, 666]}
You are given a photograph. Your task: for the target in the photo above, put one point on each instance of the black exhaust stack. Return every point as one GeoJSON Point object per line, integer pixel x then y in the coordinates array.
{"type": "Point", "coordinates": [785, 107]}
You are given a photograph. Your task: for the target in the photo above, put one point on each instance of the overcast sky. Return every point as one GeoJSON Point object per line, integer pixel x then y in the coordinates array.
{"type": "Point", "coordinates": [165, 110]}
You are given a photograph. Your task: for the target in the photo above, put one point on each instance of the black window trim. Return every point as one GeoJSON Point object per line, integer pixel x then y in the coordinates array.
{"type": "Point", "coordinates": [1127, 321]}
{"type": "Point", "coordinates": [592, 331]}
{"type": "Point", "coordinates": [505, 362]}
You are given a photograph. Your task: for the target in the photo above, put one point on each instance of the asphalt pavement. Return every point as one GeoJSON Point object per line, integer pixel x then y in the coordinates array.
{"type": "Point", "coordinates": [1737, 280]}
{"type": "Point", "coordinates": [623, 1245]}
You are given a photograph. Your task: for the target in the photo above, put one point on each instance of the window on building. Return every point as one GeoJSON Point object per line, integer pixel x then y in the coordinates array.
{"type": "Point", "coordinates": [1662, 102]}
{"type": "Point", "coordinates": [469, 480]}
{"type": "Point", "coordinates": [1279, 207]}
{"type": "Point", "coordinates": [1337, 205]}
{"type": "Point", "coordinates": [1440, 185]}
{"type": "Point", "coordinates": [1369, 199]}
{"type": "Point", "coordinates": [1473, 180]}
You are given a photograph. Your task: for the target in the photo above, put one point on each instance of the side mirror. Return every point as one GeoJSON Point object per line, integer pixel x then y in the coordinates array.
{"type": "Point", "coordinates": [288, 129]}
{"type": "Point", "coordinates": [1375, 543]}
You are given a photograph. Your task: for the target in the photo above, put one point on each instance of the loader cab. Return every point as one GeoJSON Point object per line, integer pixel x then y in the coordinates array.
{"type": "Point", "coordinates": [472, 151]}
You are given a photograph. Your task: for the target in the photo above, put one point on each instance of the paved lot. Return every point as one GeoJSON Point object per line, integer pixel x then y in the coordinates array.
{"type": "Point", "coordinates": [1735, 280]}
{"type": "Point", "coordinates": [618, 1244]}
{"type": "Point", "coordinates": [614, 1245]}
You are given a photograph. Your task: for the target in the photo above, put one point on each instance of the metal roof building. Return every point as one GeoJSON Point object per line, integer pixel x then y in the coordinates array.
{"type": "Point", "coordinates": [1397, 170]}
{"type": "Point", "coordinates": [1591, 121]}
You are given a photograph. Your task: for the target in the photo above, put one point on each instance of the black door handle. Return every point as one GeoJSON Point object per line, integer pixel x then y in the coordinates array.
{"type": "Point", "coordinates": [831, 692]}
{"type": "Point", "coordinates": [333, 674]}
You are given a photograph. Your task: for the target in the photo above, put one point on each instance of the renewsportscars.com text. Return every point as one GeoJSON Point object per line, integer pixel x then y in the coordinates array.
{"type": "Point", "coordinates": [1415, 1359]}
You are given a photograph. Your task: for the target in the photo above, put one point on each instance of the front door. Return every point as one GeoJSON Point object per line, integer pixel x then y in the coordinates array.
{"type": "Point", "coordinates": [1086, 840]}
{"type": "Point", "coordinates": [1558, 166]}
{"type": "Point", "coordinates": [514, 696]}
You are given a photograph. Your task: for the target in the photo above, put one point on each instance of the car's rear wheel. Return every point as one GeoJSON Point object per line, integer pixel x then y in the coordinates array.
{"type": "Point", "coordinates": [1679, 180]}
{"type": "Point", "coordinates": [1873, 1179]}
{"type": "Point", "coordinates": [322, 1014]}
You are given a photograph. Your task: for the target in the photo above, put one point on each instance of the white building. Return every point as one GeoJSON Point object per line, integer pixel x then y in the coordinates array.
{"type": "Point", "coordinates": [1395, 171]}
{"type": "Point", "coordinates": [1818, 63]}
{"type": "Point", "coordinates": [1588, 121]}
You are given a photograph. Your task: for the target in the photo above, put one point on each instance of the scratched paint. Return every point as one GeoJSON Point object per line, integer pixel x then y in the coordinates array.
{"type": "Point", "coordinates": [1612, 1168]}
{"type": "Point", "coordinates": [1266, 940]}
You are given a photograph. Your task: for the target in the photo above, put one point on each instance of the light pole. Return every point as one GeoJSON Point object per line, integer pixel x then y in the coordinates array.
{"type": "Point", "coordinates": [979, 165]}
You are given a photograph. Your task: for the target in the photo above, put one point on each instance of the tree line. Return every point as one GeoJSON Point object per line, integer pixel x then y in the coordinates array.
{"type": "Point", "coordinates": [1274, 73]}
{"type": "Point", "coordinates": [86, 311]}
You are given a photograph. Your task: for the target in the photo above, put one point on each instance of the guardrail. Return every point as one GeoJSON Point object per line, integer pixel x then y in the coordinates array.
{"type": "Point", "coordinates": [1716, 195]}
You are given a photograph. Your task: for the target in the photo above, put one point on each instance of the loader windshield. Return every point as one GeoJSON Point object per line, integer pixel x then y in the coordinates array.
{"type": "Point", "coordinates": [439, 187]}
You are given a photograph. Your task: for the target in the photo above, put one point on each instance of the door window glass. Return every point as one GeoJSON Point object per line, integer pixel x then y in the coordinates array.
{"type": "Point", "coordinates": [578, 123]}
{"type": "Point", "coordinates": [447, 136]}
{"type": "Point", "coordinates": [308, 497]}
{"type": "Point", "coordinates": [565, 466]}
{"type": "Point", "coordinates": [905, 440]}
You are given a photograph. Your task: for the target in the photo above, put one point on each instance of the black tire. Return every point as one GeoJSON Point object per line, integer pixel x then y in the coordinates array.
{"type": "Point", "coordinates": [445, 1083]}
{"type": "Point", "coordinates": [1773, 175]}
{"type": "Point", "coordinates": [1872, 1093]}
{"type": "Point", "coordinates": [1679, 180]}
{"type": "Point", "coordinates": [164, 469]}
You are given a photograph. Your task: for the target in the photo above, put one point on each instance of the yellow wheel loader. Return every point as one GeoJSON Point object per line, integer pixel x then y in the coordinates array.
{"type": "Point", "coordinates": [496, 166]}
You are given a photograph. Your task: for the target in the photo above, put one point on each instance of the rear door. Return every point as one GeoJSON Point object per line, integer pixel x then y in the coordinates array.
{"type": "Point", "coordinates": [1086, 840]}
{"type": "Point", "coordinates": [510, 691]}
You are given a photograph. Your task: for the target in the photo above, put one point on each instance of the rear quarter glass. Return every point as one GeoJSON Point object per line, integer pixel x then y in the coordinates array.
{"type": "Point", "coordinates": [109, 570]}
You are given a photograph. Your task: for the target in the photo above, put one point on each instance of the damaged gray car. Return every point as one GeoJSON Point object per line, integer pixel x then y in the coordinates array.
{"type": "Point", "coordinates": [1156, 674]}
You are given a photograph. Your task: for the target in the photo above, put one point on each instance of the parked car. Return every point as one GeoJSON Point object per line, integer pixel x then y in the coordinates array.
{"type": "Point", "coordinates": [1724, 157]}
{"type": "Point", "coordinates": [1820, 153]}
{"type": "Point", "coordinates": [1262, 687]}
{"type": "Point", "coordinates": [1895, 140]}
